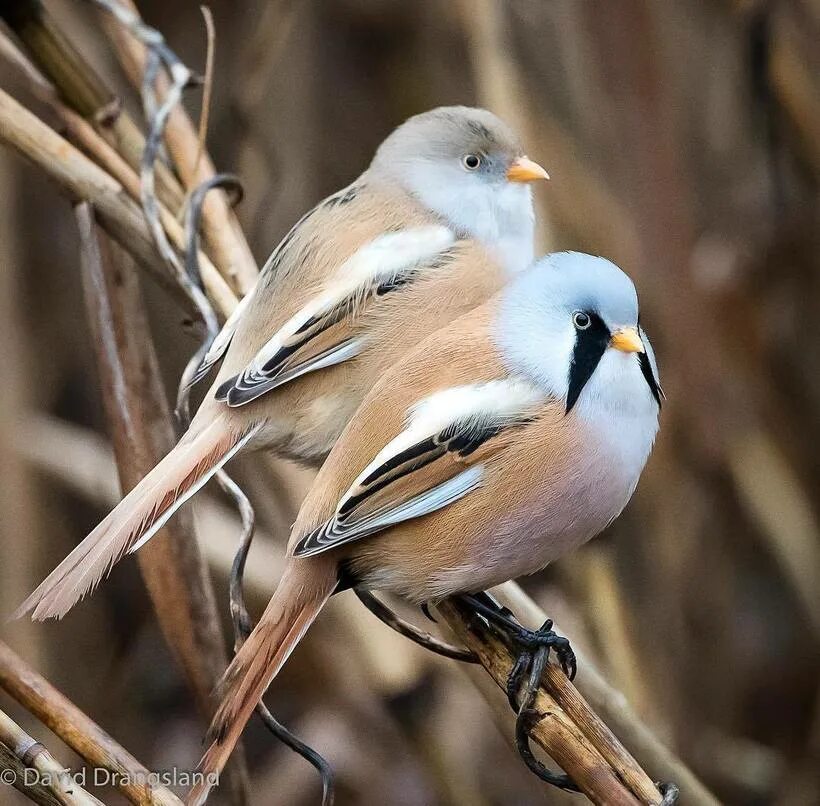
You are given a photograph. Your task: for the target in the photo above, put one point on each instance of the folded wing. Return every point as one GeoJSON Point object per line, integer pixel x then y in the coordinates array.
{"type": "Point", "coordinates": [322, 333]}
{"type": "Point", "coordinates": [437, 459]}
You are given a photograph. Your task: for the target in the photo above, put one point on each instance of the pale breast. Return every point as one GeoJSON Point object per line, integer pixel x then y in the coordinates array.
{"type": "Point", "coordinates": [551, 490]}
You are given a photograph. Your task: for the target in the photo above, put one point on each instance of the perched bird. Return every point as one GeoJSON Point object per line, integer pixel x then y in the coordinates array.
{"type": "Point", "coordinates": [504, 440]}
{"type": "Point", "coordinates": [431, 229]}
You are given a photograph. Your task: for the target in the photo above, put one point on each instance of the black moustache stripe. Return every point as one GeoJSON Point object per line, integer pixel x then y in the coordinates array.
{"type": "Point", "coordinates": [646, 371]}
{"type": "Point", "coordinates": [590, 346]}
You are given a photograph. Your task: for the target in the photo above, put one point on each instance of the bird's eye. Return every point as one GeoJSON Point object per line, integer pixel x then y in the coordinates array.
{"type": "Point", "coordinates": [581, 320]}
{"type": "Point", "coordinates": [471, 161]}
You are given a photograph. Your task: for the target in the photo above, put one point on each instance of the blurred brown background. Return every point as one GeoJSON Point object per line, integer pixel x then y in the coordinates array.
{"type": "Point", "coordinates": [683, 140]}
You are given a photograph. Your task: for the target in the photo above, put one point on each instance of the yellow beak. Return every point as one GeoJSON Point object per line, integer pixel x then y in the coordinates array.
{"type": "Point", "coordinates": [627, 340]}
{"type": "Point", "coordinates": [524, 169]}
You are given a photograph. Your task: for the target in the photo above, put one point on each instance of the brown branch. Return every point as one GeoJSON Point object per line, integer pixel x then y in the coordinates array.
{"type": "Point", "coordinates": [139, 422]}
{"type": "Point", "coordinates": [225, 239]}
{"type": "Point", "coordinates": [37, 774]}
{"type": "Point", "coordinates": [79, 732]}
{"type": "Point", "coordinates": [569, 731]}
{"type": "Point", "coordinates": [82, 180]}
{"type": "Point", "coordinates": [81, 88]}
{"type": "Point", "coordinates": [84, 135]}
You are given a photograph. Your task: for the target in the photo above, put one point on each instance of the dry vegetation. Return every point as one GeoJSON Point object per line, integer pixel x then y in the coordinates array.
{"type": "Point", "coordinates": [682, 139]}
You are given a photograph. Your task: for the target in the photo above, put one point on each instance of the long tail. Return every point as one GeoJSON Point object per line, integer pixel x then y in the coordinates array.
{"type": "Point", "coordinates": [303, 591]}
{"type": "Point", "coordinates": [199, 454]}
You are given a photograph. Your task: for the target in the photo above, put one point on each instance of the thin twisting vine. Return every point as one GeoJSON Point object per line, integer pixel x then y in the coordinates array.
{"type": "Point", "coordinates": [189, 277]}
{"type": "Point", "coordinates": [193, 215]}
{"type": "Point", "coordinates": [241, 620]}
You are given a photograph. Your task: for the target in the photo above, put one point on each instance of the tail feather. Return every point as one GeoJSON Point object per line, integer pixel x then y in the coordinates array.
{"type": "Point", "coordinates": [135, 519]}
{"type": "Point", "coordinates": [303, 591]}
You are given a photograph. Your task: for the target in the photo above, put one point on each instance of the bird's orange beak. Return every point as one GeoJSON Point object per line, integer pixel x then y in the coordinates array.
{"type": "Point", "coordinates": [523, 169]}
{"type": "Point", "coordinates": [627, 340]}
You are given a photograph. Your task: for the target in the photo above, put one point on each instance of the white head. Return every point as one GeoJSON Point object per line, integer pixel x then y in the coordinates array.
{"type": "Point", "coordinates": [467, 166]}
{"type": "Point", "coordinates": [570, 324]}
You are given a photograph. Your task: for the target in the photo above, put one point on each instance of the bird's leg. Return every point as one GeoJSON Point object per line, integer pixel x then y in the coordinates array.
{"type": "Point", "coordinates": [420, 637]}
{"type": "Point", "coordinates": [528, 717]}
{"type": "Point", "coordinates": [528, 641]}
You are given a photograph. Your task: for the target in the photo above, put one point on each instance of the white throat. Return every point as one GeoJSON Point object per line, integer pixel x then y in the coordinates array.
{"type": "Point", "coordinates": [500, 215]}
{"type": "Point", "coordinates": [618, 404]}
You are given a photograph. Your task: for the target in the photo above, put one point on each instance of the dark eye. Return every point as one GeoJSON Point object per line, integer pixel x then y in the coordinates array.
{"type": "Point", "coordinates": [471, 161]}
{"type": "Point", "coordinates": [581, 320]}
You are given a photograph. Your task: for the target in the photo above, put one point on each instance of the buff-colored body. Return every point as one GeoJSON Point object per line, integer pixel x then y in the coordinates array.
{"type": "Point", "coordinates": [501, 442]}
{"type": "Point", "coordinates": [305, 417]}
{"type": "Point", "coordinates": [568, 482]}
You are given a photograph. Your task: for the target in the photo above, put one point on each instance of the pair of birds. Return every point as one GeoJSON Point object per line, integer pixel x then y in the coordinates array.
{"type": "Point", "coordinates": [476, 415]}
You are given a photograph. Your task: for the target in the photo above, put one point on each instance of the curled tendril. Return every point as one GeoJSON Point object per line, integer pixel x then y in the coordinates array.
{"type": "Point", "coordinates": [189, 278]}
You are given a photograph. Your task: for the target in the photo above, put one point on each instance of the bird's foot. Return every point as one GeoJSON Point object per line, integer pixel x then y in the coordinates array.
{"type": "Point", "coordinates": [525, 677]}
{"type": "Point", "coordinates": [530, 641]}
{"type": "Point", "coordinates": [527, 641]}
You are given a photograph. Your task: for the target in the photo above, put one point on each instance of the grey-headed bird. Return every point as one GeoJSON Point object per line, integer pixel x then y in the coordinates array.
{"type": "Point", "coordinates": [506, 439]}
{"type": "Point", "coordinates": [436, 224]}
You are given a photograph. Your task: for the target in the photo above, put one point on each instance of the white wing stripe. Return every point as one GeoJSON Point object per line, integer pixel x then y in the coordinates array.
{"type": "Point", "coordinates": [378, 261]}
{"type": "Point", "coordinates": [436, 498]}
{"type": "Point", "coordinates": [496, 401]}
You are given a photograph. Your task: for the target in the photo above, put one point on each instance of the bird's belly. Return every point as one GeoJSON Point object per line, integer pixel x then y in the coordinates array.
{"type": "Point", "coordinates": [306, 427]}
{"type": "Point", "coordinates": [460, 549]}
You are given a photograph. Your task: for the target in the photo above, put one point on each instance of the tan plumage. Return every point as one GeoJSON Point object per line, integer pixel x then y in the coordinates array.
{"type": "Point", "coordinates": [305, 589]}
{"type": "Point", "coordinates": [466, 465]}
{"type": "Point", "coordinates": [359, 280]}
{"type": "Point", "coordinates": [142, 511]}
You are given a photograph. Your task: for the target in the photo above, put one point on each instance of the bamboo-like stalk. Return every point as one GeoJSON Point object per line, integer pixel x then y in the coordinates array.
{"type": "Point", "coordinates": [79, 732]}
{"type": "Point", "coordinates": [82, 88]}
{"type": "Point", "coordinates": [84, 135]}
{"type": "Point", "coordinates": [139, 421]}
{"type": "Point", "coordinates": [37, 793]}
{"type": "Point", "coordinates": [36, 773]}
{"type": "Point", "coordinates": [83, 180]}
{"type": "Point", "coordinates": [225, 239]}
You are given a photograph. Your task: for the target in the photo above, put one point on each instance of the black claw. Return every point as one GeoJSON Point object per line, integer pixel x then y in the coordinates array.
{"type": "Point", "coordinates": [425, 608]}
{"type": "Point", "coordinates": [523, 725]}
{"type": "Point", "coordinates": [521, 667]}
{"type": "Point", "coordinates": [528, 717]}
